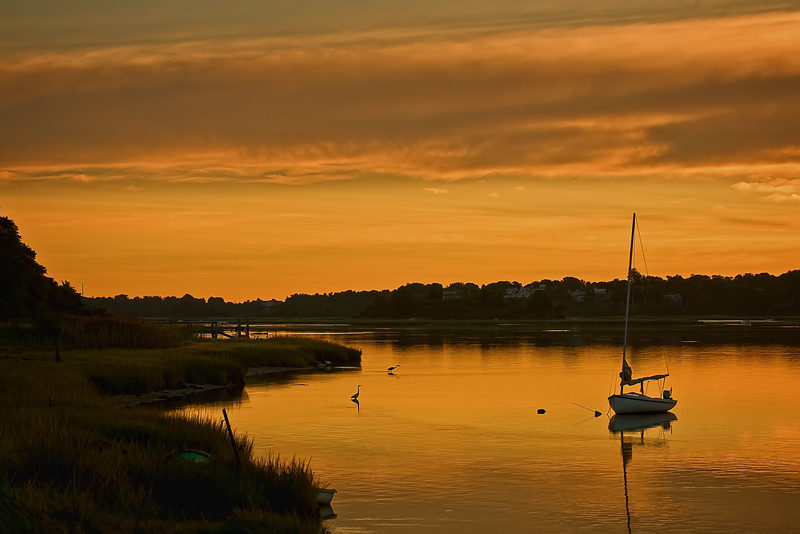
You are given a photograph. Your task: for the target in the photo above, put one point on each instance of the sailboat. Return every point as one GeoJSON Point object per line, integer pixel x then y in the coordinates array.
{"type": "Point", "coordinates": [637, 402]}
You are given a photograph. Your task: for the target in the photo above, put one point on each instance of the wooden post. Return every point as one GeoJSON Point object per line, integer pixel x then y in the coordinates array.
{"type": "Point", "coordinates": [233, 441]}
{"type": "Point", "coordinates": [247, 328]}
{"type": "Point", "coordinates": [238, 328]}
{"type": "Point", "coordinates": [144, 501]}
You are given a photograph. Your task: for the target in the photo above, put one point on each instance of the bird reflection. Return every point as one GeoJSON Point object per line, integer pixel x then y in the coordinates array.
{"type": "Point", "coordinates": [358, 405]}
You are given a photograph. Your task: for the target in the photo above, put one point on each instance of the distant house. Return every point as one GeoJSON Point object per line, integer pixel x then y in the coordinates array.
{"type": "Point", "coordinates": [520, 293]}
{"type": "Point", "coordinates": [578, 294]}
{"type": "Point", "coordinates": [269, 304]}
{"type": "Point", "coordinates": [675, 298]}
{"type": "Point", "coordinates": [452, 294]}
{"type": "Point", "coordinates": [599, 291]}
{"type": "Point", "coordinates": [523, 292]}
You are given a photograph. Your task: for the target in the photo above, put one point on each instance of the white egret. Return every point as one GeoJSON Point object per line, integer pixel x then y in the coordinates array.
{"type": "Point", "coordinates": [355, 397]}
{"type": "Point", "coordinates": [392, 368]}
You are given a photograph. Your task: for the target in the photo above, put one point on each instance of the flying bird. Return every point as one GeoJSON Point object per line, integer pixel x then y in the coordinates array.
{"type": "Point", "coordinates": [355, 397]}
{"type": "Point", "coordinates": [392, 368]}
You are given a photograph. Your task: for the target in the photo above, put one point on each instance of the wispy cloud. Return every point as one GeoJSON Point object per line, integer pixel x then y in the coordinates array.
{"type": "Point", "coordinates": [435, 190]}
{"type": "Point", "coordinates": [704, 96]}
{"type": "Point", "coordinates": [775, 189]}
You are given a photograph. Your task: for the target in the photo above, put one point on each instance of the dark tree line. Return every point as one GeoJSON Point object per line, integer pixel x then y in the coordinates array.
{"type": "Point", "coordinates": [751, 295]}
{"type": "Point", "coordinates": [27, 294]}
{"type": "Point", "coordinates": [186, 306]}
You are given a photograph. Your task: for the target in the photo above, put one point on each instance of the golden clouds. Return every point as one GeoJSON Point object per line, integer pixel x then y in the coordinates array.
{"type": "Point", "coordinates": [683, 96]}
{"type": "Point", "coordinates": [777, 189]}
{"type": "Point", "coordinates": [162, 167]}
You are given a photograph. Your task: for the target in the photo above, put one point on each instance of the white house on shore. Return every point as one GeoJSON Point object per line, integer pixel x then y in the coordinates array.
{"type": "Point", "coordinates": [452, 294]}
{"type": "Point", "coordinates": [524, 292]}
{"type": "Point", "coordinates": [578, 294]}
{"type": "Point", "coordinates": [269, 304]}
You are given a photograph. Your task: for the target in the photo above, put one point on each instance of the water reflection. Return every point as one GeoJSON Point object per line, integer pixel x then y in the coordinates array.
{"type": "Point", "coordinates": [456, 446]}
{"type": "Point", "coordinates": [636, 424]}
{"type": "Point", "coordinates": [621, 423]}
{"type": "Point", "coordinates": [571, 334]}
{"type": "Point", "coordinates": [326, 512]}
{"type": "Point", "coordinates": [223, 397]}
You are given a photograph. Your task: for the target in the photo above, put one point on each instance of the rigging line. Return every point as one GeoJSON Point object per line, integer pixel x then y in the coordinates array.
{"type": "Point", "coordinates": [641, 245]}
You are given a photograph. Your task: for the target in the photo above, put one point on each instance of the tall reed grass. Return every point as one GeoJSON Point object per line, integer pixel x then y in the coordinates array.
{"type": "Point", "coordinates": [106, 332]}
{"type": "Point", "coordinates": [210, 362]}
{"type": "Point", "coordinates": [98, 332]}
{"type": "Point", "coordinates": [71, 460]}
{"type": "Point", "coordinates": [132, 356]}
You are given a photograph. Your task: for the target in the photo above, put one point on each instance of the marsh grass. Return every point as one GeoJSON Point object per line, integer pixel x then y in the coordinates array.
{"type": "Point", "coordinates": [285, 351]}
{"type": "Point", "coordinates": [210, 362]}
{"type": "Point", "coordinates": [97, 332]}
{"type": "Point", "coordinates": [106, 332]}
{"type": "Point", "coordinates": [75, 461]}
{"type": "Point", "coordinates": [220, 362]}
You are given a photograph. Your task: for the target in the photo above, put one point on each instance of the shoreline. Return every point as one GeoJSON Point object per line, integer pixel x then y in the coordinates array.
{"type": "Point", "coordinates": [150, 397]}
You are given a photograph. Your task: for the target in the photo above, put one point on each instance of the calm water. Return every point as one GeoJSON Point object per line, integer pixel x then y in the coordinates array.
{"type": "Point", "coordinates": [452, 442]}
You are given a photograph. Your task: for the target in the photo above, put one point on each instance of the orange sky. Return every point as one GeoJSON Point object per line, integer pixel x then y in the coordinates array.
{"type": "Point", "coordinates": [254, 151]}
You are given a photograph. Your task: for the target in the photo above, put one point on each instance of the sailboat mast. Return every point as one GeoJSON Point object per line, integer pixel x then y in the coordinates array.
{"type": "Point", "coordinates": [628, 297]}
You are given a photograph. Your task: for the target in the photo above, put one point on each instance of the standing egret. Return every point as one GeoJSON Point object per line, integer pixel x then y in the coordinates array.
{"type": "Point", "coordinates": [355, 397]}
{"type": "Point", "coordinates": [392, 368]}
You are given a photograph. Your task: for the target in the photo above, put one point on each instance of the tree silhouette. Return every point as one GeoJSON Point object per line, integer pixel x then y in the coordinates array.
{"type": "Point", "coordinates": [25, 290]}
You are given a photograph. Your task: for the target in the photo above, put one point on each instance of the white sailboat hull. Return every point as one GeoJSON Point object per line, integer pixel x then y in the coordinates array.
{"type": "Point", "coordinates": [638, 403]}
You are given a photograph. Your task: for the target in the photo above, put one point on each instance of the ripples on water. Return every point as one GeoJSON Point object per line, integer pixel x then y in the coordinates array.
{"type": "Point", "coordinates": [452, 442]}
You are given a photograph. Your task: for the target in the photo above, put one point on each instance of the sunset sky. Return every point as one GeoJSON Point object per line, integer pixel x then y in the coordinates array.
{"type": "Point", "coordinates": [249, 149]}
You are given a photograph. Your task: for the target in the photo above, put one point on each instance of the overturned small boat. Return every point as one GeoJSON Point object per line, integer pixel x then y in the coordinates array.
{"type": "Point", "coordinates": [325, 496]}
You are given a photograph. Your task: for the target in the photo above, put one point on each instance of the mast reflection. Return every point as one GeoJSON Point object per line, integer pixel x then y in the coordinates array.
{"type": "Point", "coordinates": [635, 424]}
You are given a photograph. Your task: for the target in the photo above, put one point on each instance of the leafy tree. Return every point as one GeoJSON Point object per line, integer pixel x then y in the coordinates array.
{"type": "Point", "coordinates": [25, 290]}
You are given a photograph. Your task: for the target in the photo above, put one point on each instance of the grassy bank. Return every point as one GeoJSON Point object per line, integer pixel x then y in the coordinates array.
{"type": "Point", "coordinates": [118, 371]}
{"type": "Point", "coordinates": [73, 459]}
{"type": "Point", "coordinates": [95, 332]}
